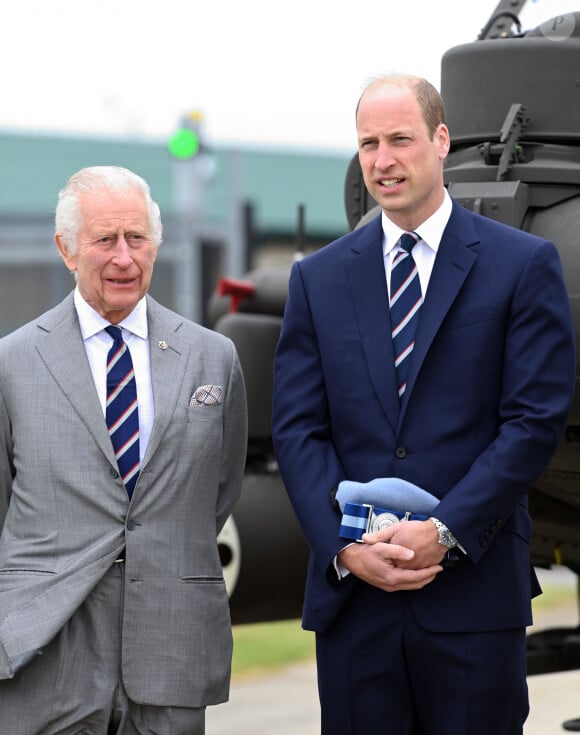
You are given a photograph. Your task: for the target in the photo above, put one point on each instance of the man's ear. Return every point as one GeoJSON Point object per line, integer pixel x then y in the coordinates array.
{"type": "Point", "coordinates": [443, 140]}
{"type": "Point", "coordinates": [69, 260]}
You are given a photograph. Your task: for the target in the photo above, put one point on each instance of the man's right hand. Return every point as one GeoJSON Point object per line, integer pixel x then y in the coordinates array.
{"type": "Point", "coordinates": [376, 563]}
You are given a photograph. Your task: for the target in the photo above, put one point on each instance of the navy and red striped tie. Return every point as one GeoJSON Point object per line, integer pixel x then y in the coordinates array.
{"type": "Point", "coordinates": [405, 304]}
{"type": "Point", "coordinates": [122, 415]}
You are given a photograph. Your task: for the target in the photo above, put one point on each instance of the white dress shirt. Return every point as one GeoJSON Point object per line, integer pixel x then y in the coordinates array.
{"type": "Point", "coordinates": [424, 252]}
{"type": "Point", "coordinates": [97, 345]}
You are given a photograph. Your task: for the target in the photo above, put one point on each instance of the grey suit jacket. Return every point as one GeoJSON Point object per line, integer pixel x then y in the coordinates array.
{"type": "Point", "coordinates": [65, 514]}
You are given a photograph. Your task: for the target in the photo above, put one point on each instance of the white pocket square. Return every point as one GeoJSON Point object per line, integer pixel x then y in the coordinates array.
{"type": "Point", "coordinates": [206, 395]}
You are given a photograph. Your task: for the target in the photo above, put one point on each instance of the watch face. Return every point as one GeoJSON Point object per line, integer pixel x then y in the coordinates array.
{"type": "Point", "coordinates": [446, 540]}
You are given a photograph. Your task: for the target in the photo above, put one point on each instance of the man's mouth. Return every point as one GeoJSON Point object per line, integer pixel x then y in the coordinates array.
{"type": "Point", "coordinates": [390, 183]}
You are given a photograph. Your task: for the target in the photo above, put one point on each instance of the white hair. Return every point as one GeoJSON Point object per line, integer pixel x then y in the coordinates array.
{"type": "Point", "coordinates": [100, 179]}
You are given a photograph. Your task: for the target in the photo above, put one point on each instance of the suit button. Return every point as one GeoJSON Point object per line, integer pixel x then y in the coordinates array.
{"type": "Point", "coordinates": [484, 540]}
{"type": "Point", "coordinates": [400, 452]}
{"type": "Point", "coordinates": [131, 525]}
{"type": "Point", "coordinates": [114, 473]}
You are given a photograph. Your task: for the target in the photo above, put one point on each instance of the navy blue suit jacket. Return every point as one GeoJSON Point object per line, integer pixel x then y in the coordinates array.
{"type": "Point", "coordinates": [488, 393]}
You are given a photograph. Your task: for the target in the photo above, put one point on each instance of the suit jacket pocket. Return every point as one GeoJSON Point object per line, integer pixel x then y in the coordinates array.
{"type": "Point", "coordinates": [202, 580]}
{"type": "Point", "coordinates": [471, 317]}
{"type": "Point", "coordinates": [182, 623]}
{"type": "Point", "coordinates": [20, 578]}
{"type": "Point", "coordinates": [204, 414]}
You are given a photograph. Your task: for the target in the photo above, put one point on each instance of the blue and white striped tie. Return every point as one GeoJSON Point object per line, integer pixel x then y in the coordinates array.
{"type": "Point", "coordinates": [405, 304]}
{"type": "Point", "coordinates": [122, 414]}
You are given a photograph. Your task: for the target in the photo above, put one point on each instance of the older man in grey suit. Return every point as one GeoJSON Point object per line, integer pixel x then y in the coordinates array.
{"type": "Point", "coordinates": [114, 615]}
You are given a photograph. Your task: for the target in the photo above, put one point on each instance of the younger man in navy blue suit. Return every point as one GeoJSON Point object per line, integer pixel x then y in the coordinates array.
{"type": "Point", "coordinates": [404, 644]}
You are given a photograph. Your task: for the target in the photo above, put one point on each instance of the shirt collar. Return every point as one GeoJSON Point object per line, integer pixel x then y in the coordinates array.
{"type": "Point", "coordinates": [91, 322]}
{"type": "Point", "coordinates": [430, 231]}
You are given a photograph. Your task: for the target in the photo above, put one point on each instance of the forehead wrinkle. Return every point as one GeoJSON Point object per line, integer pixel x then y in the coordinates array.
{"type": "Point", "coordinates": [116, 223]}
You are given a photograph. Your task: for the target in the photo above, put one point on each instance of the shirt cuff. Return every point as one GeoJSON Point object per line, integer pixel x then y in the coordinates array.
{"type": "Point", "coordinates": [341, 572]}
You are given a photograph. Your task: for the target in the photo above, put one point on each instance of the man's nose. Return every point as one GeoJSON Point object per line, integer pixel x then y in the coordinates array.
{"type": "Point", "coordinates": [122, 253]}
{"type": "Point", "coordinates": [385, 157]}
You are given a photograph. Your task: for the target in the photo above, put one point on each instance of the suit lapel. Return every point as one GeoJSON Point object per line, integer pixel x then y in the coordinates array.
{"type": "Point", "coordinates": [62, 350]}
{"type": "Point", "coordinates": [367, 280]}
{"type": "Point", "coordinates": [454, 260]}
{"type": "Point", "coordinates": [169, 358]}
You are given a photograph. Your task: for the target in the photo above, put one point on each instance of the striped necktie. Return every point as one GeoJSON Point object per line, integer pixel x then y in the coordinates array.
{"type": "Point", "coordinates": [121, 414]}
{"type": "Point", "coordinates": [405, 304]}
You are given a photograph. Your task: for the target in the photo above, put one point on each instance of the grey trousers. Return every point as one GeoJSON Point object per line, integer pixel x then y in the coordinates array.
{"type": "Point", "coordinates": [74, 687]}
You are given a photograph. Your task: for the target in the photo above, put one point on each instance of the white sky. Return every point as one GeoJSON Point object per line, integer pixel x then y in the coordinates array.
{"type": "Point", "coordinates": [262, 72]}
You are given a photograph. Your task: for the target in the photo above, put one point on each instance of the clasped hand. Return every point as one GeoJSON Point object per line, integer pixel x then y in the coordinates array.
{"type": "Point", "coordinates": [404, 556]}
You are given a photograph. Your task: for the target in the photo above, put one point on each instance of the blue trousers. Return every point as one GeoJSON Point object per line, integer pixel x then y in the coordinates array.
{"type": "Point", "coordinates": [380, 672]}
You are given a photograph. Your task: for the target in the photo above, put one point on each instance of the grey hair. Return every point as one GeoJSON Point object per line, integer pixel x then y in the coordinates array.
{"type": "Point", "coordinates": [100, 179]}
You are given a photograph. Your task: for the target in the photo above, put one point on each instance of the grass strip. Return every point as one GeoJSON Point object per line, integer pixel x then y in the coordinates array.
{"type": "Point", "coordinates": [265, 647]}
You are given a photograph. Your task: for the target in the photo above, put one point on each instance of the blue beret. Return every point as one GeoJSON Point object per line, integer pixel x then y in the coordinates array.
{"type": "Point", "coordinates": [387, 492]}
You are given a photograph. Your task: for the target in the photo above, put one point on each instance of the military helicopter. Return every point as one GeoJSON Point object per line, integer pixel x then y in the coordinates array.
{"type": "Point", "coordinates": [512, 100]}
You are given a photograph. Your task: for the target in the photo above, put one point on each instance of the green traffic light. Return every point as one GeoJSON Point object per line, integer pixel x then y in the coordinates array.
{"type": "Point", "coordinates": [184, 144]}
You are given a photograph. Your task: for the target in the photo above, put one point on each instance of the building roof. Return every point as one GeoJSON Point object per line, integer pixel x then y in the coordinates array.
{"type": "Point", "coordinates": [36, 166]}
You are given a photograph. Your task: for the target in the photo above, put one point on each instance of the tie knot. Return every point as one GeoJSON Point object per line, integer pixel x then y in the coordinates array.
{"type": "Point", "coordinates": [114, 332]}
{"type": "Point", "coordinates": [408, 241]}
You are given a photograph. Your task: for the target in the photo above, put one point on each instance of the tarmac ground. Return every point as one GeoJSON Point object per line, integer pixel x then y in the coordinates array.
{"type": "Point", "coordinates": [286, 702]}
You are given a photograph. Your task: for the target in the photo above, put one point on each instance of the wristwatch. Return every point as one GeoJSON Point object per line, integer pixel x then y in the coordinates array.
{"type": "Point", "coordinates": [446, 538]}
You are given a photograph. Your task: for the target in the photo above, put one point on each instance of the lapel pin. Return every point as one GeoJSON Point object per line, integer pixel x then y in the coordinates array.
{"type": "Point", "coordinates": [163, 345]}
